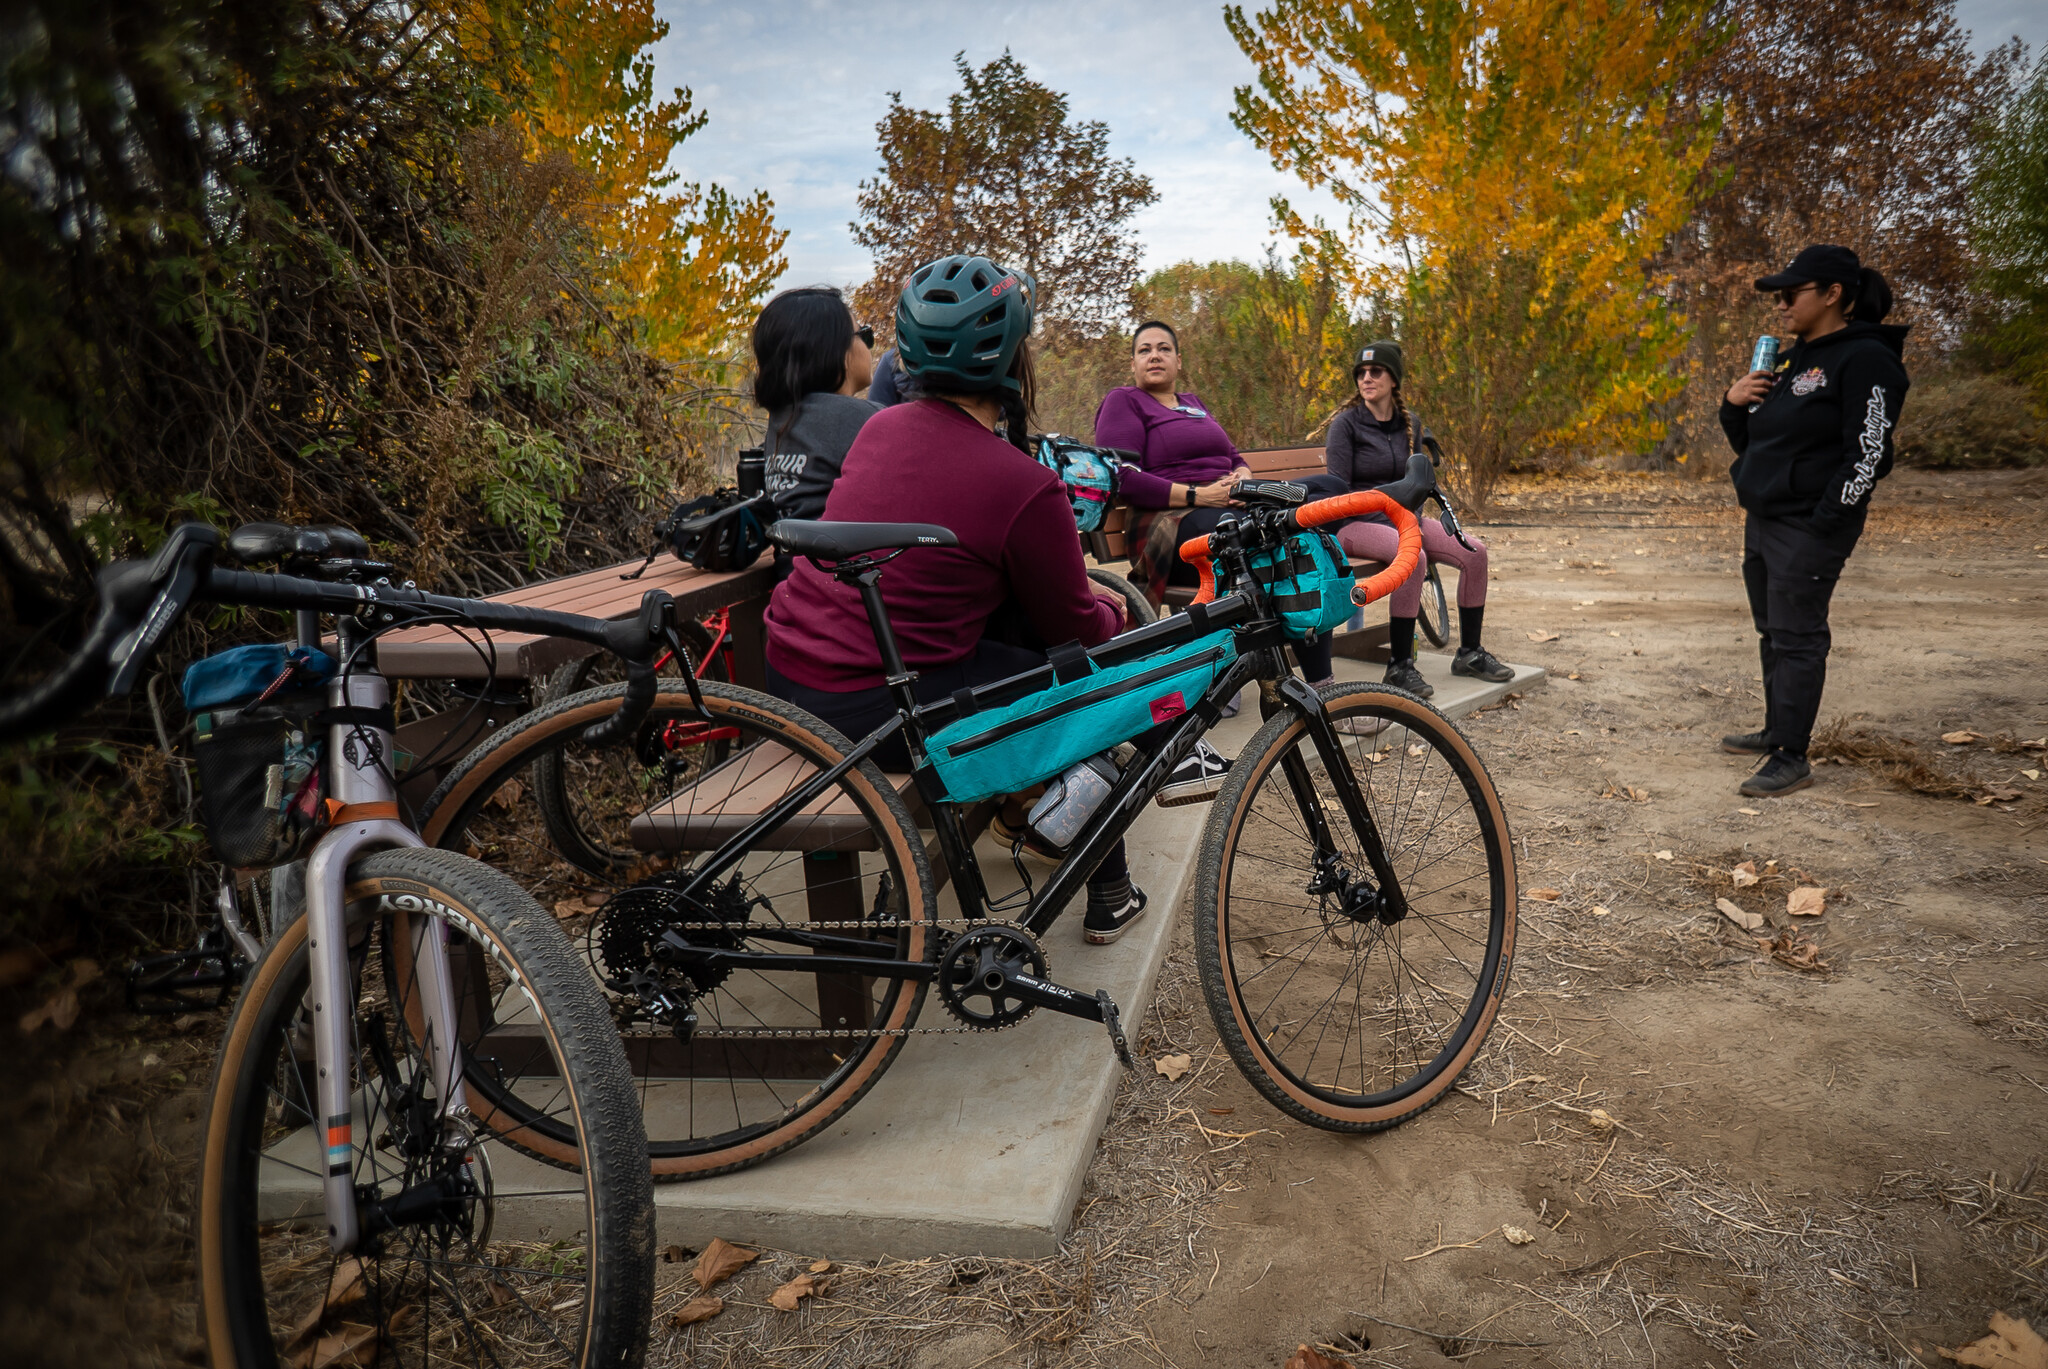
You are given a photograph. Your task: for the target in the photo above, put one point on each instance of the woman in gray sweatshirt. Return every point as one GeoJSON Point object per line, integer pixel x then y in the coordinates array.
{"type": "Point", "coordinates": [809, 362]}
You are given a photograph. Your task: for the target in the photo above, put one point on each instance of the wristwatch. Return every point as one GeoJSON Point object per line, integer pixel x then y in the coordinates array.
{"type": "Point", "coordinates": [1191, 494]}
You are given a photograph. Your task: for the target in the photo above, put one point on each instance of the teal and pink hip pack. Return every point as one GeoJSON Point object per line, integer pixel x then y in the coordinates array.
{"type": "Point", "coordinates": [1090, 709]}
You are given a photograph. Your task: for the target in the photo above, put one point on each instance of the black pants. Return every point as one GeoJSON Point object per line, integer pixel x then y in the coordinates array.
{"type": "Point", "coordinates": [860, 711]}
{"type": "Point", "coordinates": [1790, 574]}
{"type": "Point", "coordinates": [1195, 523]}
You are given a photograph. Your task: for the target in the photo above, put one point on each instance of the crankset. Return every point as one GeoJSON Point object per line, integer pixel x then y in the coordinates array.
{"type": "Point", "coordinates": [993, 976]}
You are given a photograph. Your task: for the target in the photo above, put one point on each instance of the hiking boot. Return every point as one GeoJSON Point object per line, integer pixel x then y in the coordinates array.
{"type": "Point", "coordinates": [1197, 779]}
{"type": "Point", "coordinates": [1748, 743]}
{"type": "Point", "coordinates": [1480, 664]}
{"type": "Point", "coordinates": [1104, 925]}
{"type": "Point", "coordinates": [1402, 674]}
{"type": "Point", "coordinates": [1782, 774]}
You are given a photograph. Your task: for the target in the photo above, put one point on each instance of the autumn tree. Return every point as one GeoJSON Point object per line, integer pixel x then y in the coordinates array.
{"type": "Point", "coordinates": [1845, 121]}
{"type": "Point", "coordinates": [1510, 168]}
{"type": "Point", "coordinates": [2009, 230]}
{"type": "Point", "coordinates": [1004, 172]}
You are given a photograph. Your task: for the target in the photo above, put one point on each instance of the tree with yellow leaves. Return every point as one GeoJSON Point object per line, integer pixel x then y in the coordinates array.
{"type": "Point", "coordinates": [1510, 167]}
{"type": "Point", "coordinates": [696, 259]}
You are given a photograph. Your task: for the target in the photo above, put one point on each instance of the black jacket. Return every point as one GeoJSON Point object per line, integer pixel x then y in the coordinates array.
{"type": "Point", "coordinates": [1822, 438]}
{"type": "Point", "coordinates": [1364, 452]}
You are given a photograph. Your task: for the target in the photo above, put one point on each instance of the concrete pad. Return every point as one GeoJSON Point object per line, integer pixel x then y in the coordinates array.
{"type": "Point", "coordinates": [976, 1142]}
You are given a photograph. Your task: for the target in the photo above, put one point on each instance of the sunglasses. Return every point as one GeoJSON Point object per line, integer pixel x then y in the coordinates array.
{"type": "Point", "coordinates": [866, 333]}
{"type": "Point", "coordinates": [1789, 296]}
{"type": "Point", "coordinates": [1374, 372]}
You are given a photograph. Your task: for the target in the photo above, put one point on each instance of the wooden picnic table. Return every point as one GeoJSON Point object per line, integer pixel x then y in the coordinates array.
{"type": "Point", "coordinates": [444, 653]}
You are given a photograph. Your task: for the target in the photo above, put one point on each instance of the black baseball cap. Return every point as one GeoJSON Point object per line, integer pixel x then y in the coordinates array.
{"type": "Point", "coordinates": [1822, 263]}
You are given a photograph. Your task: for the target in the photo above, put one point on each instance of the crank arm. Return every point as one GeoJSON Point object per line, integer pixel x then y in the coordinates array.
{"type": "Point", "coordinates": [1059, 998]}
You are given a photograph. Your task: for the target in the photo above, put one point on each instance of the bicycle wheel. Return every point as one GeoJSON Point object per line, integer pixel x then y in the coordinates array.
{"type": "Point", "coordinates": [1344, 1021]}
{"type": "Point", "coordinates": [1435, 614]}
{"type": "Point", "coordinates": [565, 779]}
{"type": "Point", "coordinates": [471, 1254]}
{"type": "Point", "coordinates": [1135, 602]}
{"type": "Point", "coordinates": [732, 1065]}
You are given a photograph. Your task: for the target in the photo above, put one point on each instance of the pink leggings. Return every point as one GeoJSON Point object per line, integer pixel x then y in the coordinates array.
{"type": "Point", "coordinates": [1379, 542]}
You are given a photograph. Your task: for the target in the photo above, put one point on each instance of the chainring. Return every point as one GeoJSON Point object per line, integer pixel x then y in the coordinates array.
{"type": "Point", "coordinates": [971, 975]}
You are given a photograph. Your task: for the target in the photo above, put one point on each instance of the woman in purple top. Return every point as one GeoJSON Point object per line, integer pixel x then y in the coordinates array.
{"type": "Point", "coordinates": [1180, 483]}
{"type": "Point", "coordinates": [961, 328]}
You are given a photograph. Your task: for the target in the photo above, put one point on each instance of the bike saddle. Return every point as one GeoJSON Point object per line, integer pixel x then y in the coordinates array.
{"type": "Point", "coordinates": [254, 543]}
{"type": "Point", "coordinates": [840, 541]}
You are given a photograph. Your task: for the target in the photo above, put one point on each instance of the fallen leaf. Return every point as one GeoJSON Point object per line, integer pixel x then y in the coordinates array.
{"type": "Point", "coordinates": [674, 1254]}
{"type": "Point", "coordinates": [1806, 901]}
{"type": "Point", "coordinates": [60, 1010]}
{"type": "Point", "coordinates": [1962, 738]}
{"type": "Point", "coordinates": [2012, 1344]}
{"type": "Point", "coordinates": [1573, 676]}
{"type": "Point", "coordinates": [2031, 774]}
{"type": "Point", "coordinates": [1598, 911]}
{"type": "Point", "coordinates": [2001, 793]}
{"type": "Point", "coordinates": [821, 1266]}
{"type": "Point", "coordinates": [1174, 1066]}
{"type": "Point", "coordinates": [1613, 633]}
{"type": "Point", "coordinates": [795, 1291]}
{"type": "Point", "coordinates": [1663, 855]}
{"type": "Point", "coordinates": [721, 1260]}
{"type": "Point", "coordinates": [1516, 1236]}
{"type": "Point", "coordinates": [345, 1287]}
{"type": "Point", "coordinates": [1635, 795]}
{"type": "Point", "coordinates": [1306, 1358]}
{"type": "Point", "coordinates": [1796, 952]}
{"type": "Point", "coordinates": [501, 1293]}
{"type": "Point", "coordinates": [1751, 811]}
{"type": "Point", "coordinates": [1745, 874]}
{"type": "Point", "coordinates": [703, 1307]}
{"type": "Point", "coordinates": [1546, 895]}
{"type": "Point", "coordinates": [1222, 1112]}
{"type": "Point", "coordinates": [1543, 636]}
{"type": "Point", "coordinates": [570, 907]}
{"type": "Point", "coordinates": [507, 794]}
{"type": "Point", "coordinates": [1600, 1119]}
{"type": "Point", "coordinates": [336, 1347]}
{"type": "Point", "coordinates": [1741, 917]}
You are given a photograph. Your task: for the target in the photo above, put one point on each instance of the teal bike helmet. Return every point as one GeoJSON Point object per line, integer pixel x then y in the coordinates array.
{"type": "Point", "coordinates": [959, 323]}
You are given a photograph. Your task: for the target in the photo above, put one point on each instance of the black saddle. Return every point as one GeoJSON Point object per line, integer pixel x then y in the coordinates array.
{"type": "Point", "coordinates": [255, 543]}
{"type": "Point", "coordinates": [842, 541]}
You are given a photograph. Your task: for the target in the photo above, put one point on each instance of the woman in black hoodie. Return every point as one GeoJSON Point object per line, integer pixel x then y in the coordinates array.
{"type": "Point", "coordinates": [1812, 438]}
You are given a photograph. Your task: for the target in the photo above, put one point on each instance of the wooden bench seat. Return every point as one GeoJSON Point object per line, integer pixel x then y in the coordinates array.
{"type": "Point", "coordinates": [727, 799]}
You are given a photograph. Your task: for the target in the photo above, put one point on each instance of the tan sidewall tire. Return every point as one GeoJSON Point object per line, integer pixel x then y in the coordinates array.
{"type": "Point", "coordinates": [1261, 757]}
{"type": "Point", "coordinates": [476, 777]}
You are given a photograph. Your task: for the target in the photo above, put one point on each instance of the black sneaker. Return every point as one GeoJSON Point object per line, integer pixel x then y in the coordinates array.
{"type": "Point", "coordinates": [1748, 743]}
{"type": "Point", "coordinates": [1782, 774]}
{"type": "Point", "coordinates": [1479, 663]}
{"type": "Point", "coordinates": [1197, 779]}
{"type": "Point", "coordinates": [1104, 925]}
{"type": "Point", "coordinates": [1402, 674]}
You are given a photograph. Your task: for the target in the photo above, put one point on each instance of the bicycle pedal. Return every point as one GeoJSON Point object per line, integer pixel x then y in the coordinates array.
{"type": "Point", "coordinates": [1112, 1018]}
{"type": "Point", "coordinates": [183, 981]}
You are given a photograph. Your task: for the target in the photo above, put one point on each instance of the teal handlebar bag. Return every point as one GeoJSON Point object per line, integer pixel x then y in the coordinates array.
{"type": "Point", "coordinates": [1003, 750]}
{"type": "Point", "coordinates": [1308, 579]}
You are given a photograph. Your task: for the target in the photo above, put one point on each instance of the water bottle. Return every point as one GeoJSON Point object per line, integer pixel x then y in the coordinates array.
{"type": "Point", "coordinates": [1765, 357]}
{"type": "Point", "coordinates": [1072, 799]}
{"type": "Point", "coordinates": [753, 473]}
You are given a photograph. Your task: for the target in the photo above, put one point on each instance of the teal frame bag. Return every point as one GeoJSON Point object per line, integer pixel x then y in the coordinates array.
{"type": "Point", "coordinates": [1003, 750]}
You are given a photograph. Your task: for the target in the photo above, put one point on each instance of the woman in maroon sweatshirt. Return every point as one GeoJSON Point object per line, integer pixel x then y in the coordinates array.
{"type": "Point", "coordinates": [961, 326]}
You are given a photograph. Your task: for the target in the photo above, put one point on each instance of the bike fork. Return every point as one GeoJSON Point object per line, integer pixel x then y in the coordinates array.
{"type": "Point", "coordinates": [366, 819]}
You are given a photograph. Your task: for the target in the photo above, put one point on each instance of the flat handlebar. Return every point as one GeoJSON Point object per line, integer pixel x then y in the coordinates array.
{"type": "Point", "coordinates": [140, 601]}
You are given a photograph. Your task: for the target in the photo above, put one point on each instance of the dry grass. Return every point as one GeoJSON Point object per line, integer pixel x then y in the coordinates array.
{"type": "Point", "coordinates": [1908, 765]}
{"type": "Point", "coordinates": [1145, 1206]}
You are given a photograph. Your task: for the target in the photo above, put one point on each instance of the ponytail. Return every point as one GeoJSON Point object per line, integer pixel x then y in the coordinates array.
{"type": "Point", "coordinates": [1401, 412]}
{"type": "Point", "coordinates": [1872, 299]}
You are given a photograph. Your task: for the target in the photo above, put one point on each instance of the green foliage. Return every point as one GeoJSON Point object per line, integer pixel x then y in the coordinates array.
{"type": "Point", "coordinates": [1960, 421]}
{"type": "Point", "coordinates": [2009, 229]}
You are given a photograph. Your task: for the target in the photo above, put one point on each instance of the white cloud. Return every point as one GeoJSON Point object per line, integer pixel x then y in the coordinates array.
{"type": "Point", "coordinates": [794, 91]}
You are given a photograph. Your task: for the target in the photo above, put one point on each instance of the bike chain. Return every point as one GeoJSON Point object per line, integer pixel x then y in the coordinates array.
{"type": "Point", "coordinates": [842, 1033]}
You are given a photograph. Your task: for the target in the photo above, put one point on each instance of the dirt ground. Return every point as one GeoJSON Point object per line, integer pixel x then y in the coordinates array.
{"type": "Point", "coordinates": [1817, 1152]}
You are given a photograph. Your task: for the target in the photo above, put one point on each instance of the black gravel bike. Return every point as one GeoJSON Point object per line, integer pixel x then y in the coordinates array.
{"type": "Point", "coordinates": [770, 954]}
{"type": "Point", "coordinates": [422, 1144]}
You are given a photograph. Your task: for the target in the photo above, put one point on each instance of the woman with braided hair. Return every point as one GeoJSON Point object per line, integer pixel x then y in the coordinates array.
{"type": "Point", "coordinates": [1369, 444]}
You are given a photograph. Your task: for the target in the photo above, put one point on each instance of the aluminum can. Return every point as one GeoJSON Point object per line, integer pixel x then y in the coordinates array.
{"type": "Point", "coordinates": [1765, 357]}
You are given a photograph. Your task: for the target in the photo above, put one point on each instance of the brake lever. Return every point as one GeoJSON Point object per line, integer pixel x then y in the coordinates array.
{"type": "Point", "coordinates": [657, 615]}
{"type": "Point", "coordinates": [177, 566]}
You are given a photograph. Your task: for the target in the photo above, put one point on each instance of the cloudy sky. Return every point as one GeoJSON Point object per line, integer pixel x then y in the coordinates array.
{"type": "Point", "coordinates": [794, 89]}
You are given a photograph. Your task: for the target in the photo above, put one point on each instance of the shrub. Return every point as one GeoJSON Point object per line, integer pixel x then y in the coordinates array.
{"type": "Point", "coordinates": [1960, 421]}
